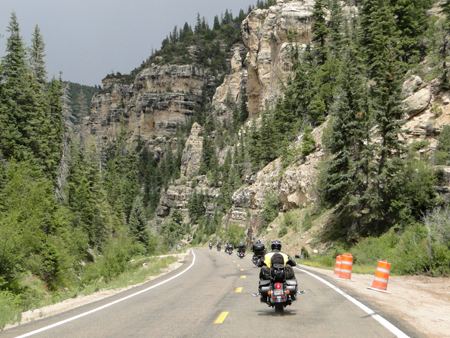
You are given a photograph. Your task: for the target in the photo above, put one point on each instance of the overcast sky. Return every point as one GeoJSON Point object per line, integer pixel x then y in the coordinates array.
{"type": "Point", "coordinates": [87, 39]}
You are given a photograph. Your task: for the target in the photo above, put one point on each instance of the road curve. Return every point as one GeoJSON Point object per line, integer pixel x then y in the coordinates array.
{"type": "Point", "coordinates": [211, 297]}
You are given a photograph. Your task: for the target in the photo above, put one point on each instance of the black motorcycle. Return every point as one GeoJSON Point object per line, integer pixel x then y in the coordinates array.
{"type": "Point", "coordinates": [241, 254]}
{"type": "Point", "coordinates": [219, 247]}
{"type": "Point", "coordinates": [210, 246]}
{"type": "Point", "coordinates": [258, 260]}
{"type": "Point", "coordinates": [278, 292]}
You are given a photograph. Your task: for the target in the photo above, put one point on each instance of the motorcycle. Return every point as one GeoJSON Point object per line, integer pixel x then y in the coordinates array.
{"type": "Point", "coordinates": [228, 250]}
{"type": "Point", "coordinates": [258, 260]}
{"type": "Point", "coordinates": [241, 254]}
{"type": "Point", "coordinates": [278, 292]}
{"type": "Point", "coordinates": [210, 246]}
{"type": "Point", "coordinates": [218, 248]}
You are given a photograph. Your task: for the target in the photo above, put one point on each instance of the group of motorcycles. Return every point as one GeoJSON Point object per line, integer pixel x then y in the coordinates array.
{"type": "Point", "coordinates": [277, 291]}
{"type": "Point", "coordinates": [229, 249]}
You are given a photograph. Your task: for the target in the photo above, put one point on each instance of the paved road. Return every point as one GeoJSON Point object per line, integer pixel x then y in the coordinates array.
{"type": "Point", "coordinates": [215, 288]}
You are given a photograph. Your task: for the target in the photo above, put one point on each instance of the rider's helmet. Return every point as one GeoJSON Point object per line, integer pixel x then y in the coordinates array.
{"type": "Point", "coordinates": [258, 241]}
{"type": "Point", "coordinates": [276, 245]}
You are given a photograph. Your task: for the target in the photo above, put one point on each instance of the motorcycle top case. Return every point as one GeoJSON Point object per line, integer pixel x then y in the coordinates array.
{"type": "Point", "coordinates": [258, 247]}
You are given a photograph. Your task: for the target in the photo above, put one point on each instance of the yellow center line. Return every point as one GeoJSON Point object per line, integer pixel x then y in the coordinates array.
{"type": "Point", "coordinates": [221, 318]}
{"type": "Point", "coordinates": [238, 265]}
{"type": "Point", "coordinates": [234, 262]}
{"type": "Point", "coordinates": [243, 277]}
{"type": "Point", "coordinates": [238, 290]}
{"type": "Point", "coordinates": [242, 269]}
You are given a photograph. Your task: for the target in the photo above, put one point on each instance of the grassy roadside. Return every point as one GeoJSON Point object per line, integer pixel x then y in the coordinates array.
{"type": "Point", "coordinates": [39, 296]}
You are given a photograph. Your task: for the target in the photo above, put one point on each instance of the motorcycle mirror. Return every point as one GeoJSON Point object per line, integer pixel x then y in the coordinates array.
{"type": "Point", "coordinates": [255, 294]}
{"type": "Point", "coordinates": [301, 292]}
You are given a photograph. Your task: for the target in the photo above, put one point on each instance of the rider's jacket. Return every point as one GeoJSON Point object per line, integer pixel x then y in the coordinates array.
{"type": "Point", "coordinates": [286, 257]}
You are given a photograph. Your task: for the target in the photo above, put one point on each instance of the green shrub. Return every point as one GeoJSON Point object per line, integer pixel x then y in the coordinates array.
{"type": "Point", "coordinates": [270, 208]}
{"type": "Point", "coordinates": [288, 219]}
{"type": "Point", "coordinates": [283, 231]}
{"type": "Point", "coordinates": [10, 311]}
{"type": "Point", "coordinates": [304, 252]}
{"type": "Point", "coordinates": [307, 221]}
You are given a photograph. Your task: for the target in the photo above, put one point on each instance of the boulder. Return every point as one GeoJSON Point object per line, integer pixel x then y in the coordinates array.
{"type": "Point", "coordinates": [410, 85]}
{"type": "Point", "coordinates": [417, 103]}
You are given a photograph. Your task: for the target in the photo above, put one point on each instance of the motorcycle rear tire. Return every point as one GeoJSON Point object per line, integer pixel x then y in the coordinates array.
{"type": "Point", "coordinates": [279, 308]}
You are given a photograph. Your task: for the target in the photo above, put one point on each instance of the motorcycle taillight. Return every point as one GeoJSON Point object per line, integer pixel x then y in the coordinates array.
{"type": "Point", "coordinates": [278, 286]}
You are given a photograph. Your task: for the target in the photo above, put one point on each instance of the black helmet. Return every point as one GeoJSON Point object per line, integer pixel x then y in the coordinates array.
{"type": "Point", "coordinates": [276, 245]}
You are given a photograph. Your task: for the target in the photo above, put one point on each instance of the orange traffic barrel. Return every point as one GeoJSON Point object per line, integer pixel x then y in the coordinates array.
{"type": "Point", "coordinates": [337, 265]}
{"type": "Point", "coordinates": [381, 276]}
{"type": "Point", "coordinates": [346, 266]}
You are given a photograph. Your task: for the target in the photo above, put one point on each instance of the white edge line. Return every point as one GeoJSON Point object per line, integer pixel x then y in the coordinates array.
{"type": "Point", "coordinates": [106, 305]}
{"type": "Point", "coordinates": [397, 332]}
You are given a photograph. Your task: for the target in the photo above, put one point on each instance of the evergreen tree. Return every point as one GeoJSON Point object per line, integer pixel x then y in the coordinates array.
{"type": "Point", "coordinates": [349, 172]}
{"type": "Point", "coordinates": [37, 55]}
{"type": "Point", "coordinates": [378, 34]}
{"type": "Point", "coordinates": [82, 105]}
{"type": "Point", "coordinates": [320, 32]}
{"type": "Point", "coordinates": [25, 103]}
{"type": "Point", "coordinates": [137, 225]}
{"type": "Point", "coordinates": [412, 23]}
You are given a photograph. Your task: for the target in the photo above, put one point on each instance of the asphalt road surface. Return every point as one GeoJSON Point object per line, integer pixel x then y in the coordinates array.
{"type": "Point", "coordinates": [210, 296]}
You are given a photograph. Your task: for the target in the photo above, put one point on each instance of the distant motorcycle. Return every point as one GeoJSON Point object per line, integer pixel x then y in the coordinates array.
{"type": "Point", "coordinates": [241, 254]}
{"type": "Point", "coordinates": [229, 250]}
{"type": "Point", "coordinates": [219, 247]}
{"type": "Point", "coordinates": [210, 246]}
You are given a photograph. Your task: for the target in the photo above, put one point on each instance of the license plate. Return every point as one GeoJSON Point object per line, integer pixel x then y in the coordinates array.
{"type": "Point", "coordinates": [278, 292]}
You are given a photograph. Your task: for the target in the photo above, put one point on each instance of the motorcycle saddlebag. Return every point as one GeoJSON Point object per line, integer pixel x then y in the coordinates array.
{"type": "Point", "coordinates": [291, 285]}
{"type": "Point", "coordinates": [264, 287]}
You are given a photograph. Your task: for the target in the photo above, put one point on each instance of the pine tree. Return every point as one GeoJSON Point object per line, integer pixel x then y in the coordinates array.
{"type": "Point", "coordinates": [24, 105]}
{"type": "Point", "coordinates": [320, 32]}
{"type": "Point", "coordinates": [348, 172]}
{"type": "Point", "coordinates": [137, 225]}
{"type": "Point", "coordinates": [412, 23]}
{"type": "Point", "coordinates": [82, 105]}
{"type": "Point", "coordinates": [378, 34]}
{"type": "Point", "coordinates": [37, 57]}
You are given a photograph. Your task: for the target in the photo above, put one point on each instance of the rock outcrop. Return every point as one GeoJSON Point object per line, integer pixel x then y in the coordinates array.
{"type": "Point", "coordinates": [229, 93]}
{"type": "Point", "coordinates": [160, 99]}
{"type": "Point", "coordinates": [192, 153]}
{"type": "Point", "coordinates": [292, 186]}
{"type": "Point", "coordinates": [264, 33]}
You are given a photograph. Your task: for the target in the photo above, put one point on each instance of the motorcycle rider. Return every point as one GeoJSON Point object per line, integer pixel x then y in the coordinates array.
{"type": "Point", "coordinates": [265, 272]}
{"type": "Point", "coordinates": [241, 247]}
{"type": "Point", "coordinates": [258, 249]}
{"type": "Point", "coordinates": [210, 245]}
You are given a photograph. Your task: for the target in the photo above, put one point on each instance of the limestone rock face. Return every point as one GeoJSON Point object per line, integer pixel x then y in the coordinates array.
{"type": "Point", "coordinates": [264, 33]}
{"type": "Point", "coordinates": [192, 153]}
{"type": "Point", "coordinates": [230, 91]}
{"type": "Point", "coordinates": [177, 196]}
{"type": "Point", "coordinates": [160, 99]}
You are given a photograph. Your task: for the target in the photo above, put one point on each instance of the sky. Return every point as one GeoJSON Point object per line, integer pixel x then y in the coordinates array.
{"type": "Point", "coordinates": [88, 39]}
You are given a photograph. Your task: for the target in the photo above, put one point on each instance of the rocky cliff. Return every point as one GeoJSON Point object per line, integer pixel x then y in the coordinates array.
{"type": "Point", "coordinates": [264, 33]}
{"type": "Point", "coordinates": [160, 99]}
